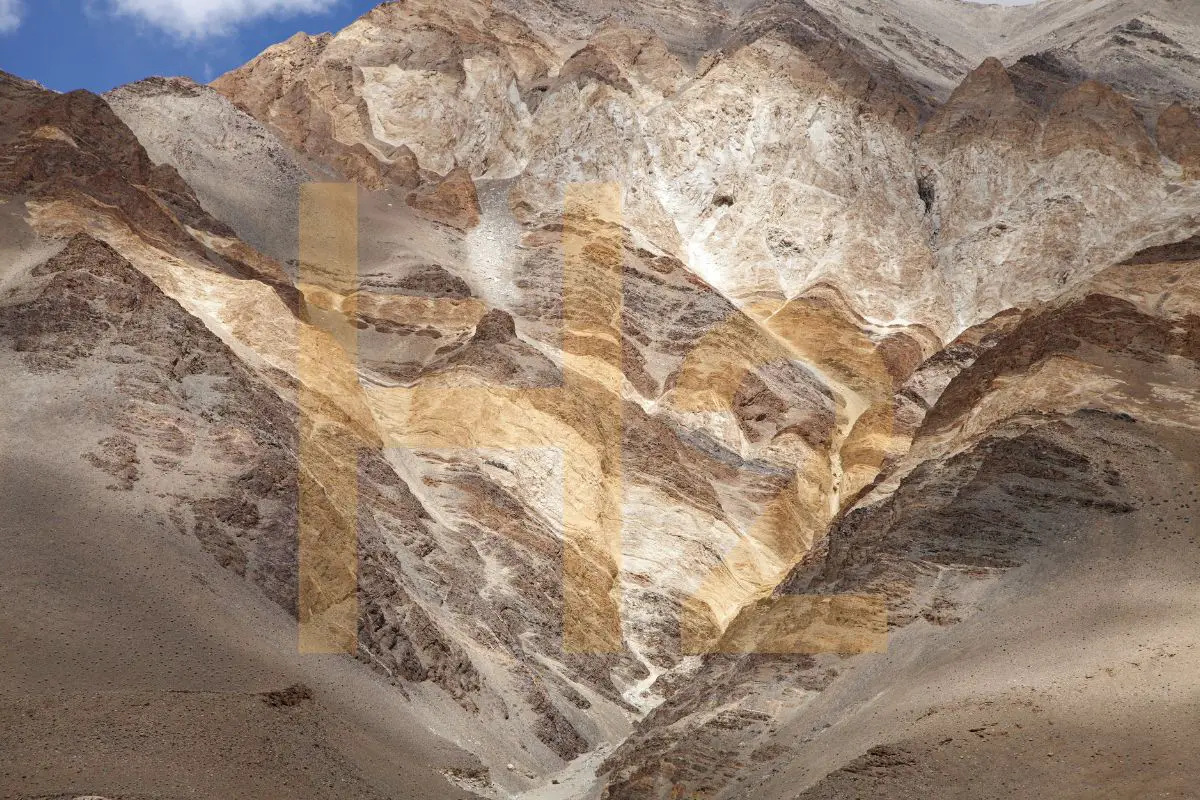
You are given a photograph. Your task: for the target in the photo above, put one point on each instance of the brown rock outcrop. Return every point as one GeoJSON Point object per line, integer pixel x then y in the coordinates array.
{"type": "Point", "coordinates": [1178, 133]}
{"type": "Point", "coordinates": [1033, 455]}
{"type": "Point", "coordinates": [398, 169]}
{"type": "Point", "coordinates": [1095, 116]}
{"type": "Point", "coordinates": [985, 105]}
{"type": "Point", "coordinates": [451, 200]}
{"type": "Point", "coordinates": [283, 89]}
{"type": "Point", "coordinates": [73, 148]}
{"type": "Point", "coordinates": [73, 145]}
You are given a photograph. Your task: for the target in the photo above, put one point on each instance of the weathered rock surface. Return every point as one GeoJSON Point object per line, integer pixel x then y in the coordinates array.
{"type": "Point", "coordinates": [451, 200]}
{"type": "Point", "coordinates": [239, 170]}
{"type": "Point", "coordinates": [1042, 459]}
{"type": "Point", "coordinates": [863, 310]}
{"type": "Point", "coordinates": [145, 402]}
{"type": "Point", "coordinates": [1178, 132]}
{"type": "Point", "coordinates": [714, 172]}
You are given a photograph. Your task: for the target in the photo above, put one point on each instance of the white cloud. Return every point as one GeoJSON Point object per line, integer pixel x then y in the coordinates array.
{"type": "Point", "coordinates": [10, 15]}
{"type": "Point", "coordinates": [196, 19]}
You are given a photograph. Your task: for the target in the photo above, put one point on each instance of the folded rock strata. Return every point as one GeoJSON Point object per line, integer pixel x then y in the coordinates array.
{"type": "Point", "coordinates": [869, 313]}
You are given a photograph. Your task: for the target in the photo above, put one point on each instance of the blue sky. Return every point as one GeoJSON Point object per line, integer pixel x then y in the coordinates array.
{"type": "Point", "coordinates": [99, 44]}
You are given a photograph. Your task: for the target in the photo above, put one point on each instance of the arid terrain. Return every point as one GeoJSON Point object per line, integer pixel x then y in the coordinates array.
{"type": "Point", "coordinates": [761, 399]}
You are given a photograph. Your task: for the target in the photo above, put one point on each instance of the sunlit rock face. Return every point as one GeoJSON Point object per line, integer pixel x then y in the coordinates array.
{"type": "Point", "coordinates": [857, 308]}
{"type": "Point", "coordinates": [1061, 443]}
{"type": "Point", "coordinates": [1008, 180]}
{"type": "Point", "coordinates": [773, 162]}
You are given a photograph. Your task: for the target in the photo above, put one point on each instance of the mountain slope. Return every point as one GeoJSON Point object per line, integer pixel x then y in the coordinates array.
{"type": "Point", "coordinates": [861, 310]}
{"type": "Point", "coordinates": [1046, 492]}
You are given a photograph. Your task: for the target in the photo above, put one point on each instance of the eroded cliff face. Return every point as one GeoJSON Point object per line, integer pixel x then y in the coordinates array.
{"type": "Point", "coordinates": [773, 162]}
{"type": "Point", "coordinates": [842, 326]}
{"type": "Point", "coordinates": [1062, 449]}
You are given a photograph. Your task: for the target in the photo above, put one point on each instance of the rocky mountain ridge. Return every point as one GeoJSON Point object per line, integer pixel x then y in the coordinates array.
{"type": "Point", "coordinates": [891, 316]}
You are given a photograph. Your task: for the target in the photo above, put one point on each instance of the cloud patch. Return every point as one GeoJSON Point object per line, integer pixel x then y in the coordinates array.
{"type": "Point", "coordinates": [198, 19]}
{"type": "Point", "coordinates": [10, 15]}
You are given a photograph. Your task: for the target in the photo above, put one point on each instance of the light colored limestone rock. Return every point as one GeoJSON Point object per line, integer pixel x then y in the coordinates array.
{"type": "Point", "coordinates": [858, 303]}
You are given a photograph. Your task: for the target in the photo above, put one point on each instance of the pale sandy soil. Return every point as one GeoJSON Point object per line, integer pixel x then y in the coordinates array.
{"type": "Point", "coordinates": [1077, 677]}
{"type": "Point", "coordinates": [133, 665]}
